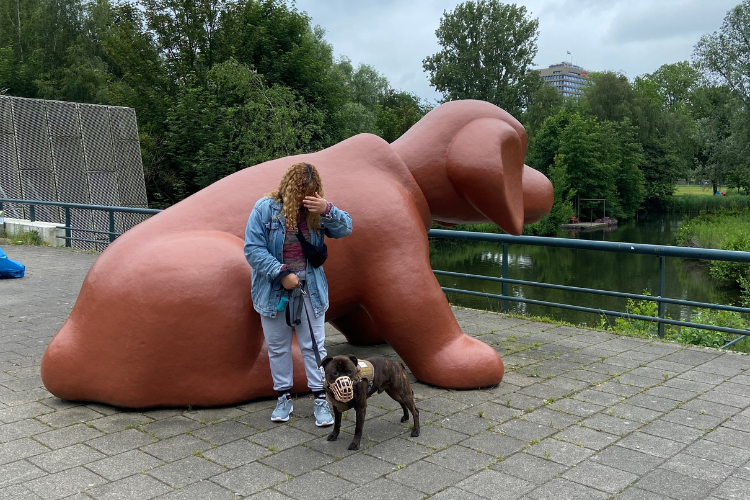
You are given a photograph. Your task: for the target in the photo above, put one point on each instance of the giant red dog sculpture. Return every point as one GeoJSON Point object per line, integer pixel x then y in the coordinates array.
{"type": "Point", "coordinates": [165, 317]}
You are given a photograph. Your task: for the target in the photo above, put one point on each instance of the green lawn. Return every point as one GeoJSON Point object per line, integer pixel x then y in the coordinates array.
{"type": "Point", "coordinates": [683, 190]}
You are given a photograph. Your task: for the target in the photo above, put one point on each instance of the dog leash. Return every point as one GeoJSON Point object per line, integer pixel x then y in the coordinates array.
{"type": "Point", "coordinates": [309, 325]}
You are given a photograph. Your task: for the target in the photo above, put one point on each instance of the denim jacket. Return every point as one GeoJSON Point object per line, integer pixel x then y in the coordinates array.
{"type": "Point", "coordinates": [264, 245]}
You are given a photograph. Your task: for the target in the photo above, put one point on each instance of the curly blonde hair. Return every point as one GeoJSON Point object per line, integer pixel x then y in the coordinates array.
{"type": "Point", "coordinates": [300, 180]}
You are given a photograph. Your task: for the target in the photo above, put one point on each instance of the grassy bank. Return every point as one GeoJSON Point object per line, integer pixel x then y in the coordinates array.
{"type": "Point", "coordinates": [696, 203]}
{"type": "Point", "coordinates": [724, 230]}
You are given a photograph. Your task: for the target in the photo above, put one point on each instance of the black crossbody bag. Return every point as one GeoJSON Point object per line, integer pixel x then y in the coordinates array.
{"type": "Point", "coordinates": [315, 255]}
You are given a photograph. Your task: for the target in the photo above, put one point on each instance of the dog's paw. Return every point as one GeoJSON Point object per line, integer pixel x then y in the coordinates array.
{"type": "Point", "coordinates": [415, 433]}
{"type": "Point", "coordinates": [404, 419]}
{"type": "Point", "coordinates": [333, 436]}
{"type": "Point", "coordinates": [354, 446]}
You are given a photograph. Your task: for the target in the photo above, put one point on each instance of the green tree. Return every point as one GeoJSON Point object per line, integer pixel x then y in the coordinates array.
{"type": "Point", "coordinates": [544, 102]}
{"type": "Point", "coordinates": [724, 55]}
{"type": "Point", "coordinates": [609, 96]}
{"type": "Point", "coordinates": [487, 50]}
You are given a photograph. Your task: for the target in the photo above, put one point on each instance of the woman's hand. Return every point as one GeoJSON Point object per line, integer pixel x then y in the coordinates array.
{"type": "Point", "coordinates": [290, 281]}
{"type": "Point", "coordinates": [315, 204]}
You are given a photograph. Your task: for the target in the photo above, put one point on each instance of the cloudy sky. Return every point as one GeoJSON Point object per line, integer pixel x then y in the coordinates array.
{"type": "Point", "coordinates": [631, 36]}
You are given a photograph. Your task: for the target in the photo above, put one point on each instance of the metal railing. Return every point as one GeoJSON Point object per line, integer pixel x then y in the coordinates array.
{"type": "Point", "coordinates": [660, 251]}
{"type": "Point", "coordinates": [112, 234]}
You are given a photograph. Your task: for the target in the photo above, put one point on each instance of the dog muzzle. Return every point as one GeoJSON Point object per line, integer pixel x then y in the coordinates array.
{"type": "Point", "coordinates": [342, 389]}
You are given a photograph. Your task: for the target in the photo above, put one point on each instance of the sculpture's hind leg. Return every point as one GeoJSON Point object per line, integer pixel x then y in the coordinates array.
{"type": "Point", "coordinates": [165, 322]}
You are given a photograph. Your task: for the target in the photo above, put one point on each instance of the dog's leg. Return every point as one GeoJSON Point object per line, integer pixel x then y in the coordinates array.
{"type": "Point", "coordinates": [358, 427]}
{"type": "Point", "coordinates": [406, 413]}
{"type": "Point", "coordinates": [415, 415]}
{"type": "Point", "coordinates": [334, 435]}
{"type": "Point", "coordinates": [395, 396]}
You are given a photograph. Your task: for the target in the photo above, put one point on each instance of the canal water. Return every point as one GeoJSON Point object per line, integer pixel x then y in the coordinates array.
{"type": "Point", "coordinates": [685, 279]}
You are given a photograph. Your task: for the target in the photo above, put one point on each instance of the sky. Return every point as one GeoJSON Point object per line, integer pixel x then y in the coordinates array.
{"type": "Point", "coordinates": [631, 36]}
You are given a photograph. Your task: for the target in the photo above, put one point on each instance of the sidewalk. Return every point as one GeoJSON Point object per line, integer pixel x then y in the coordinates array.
{"type": "Point", "coordinates": [580, 414]}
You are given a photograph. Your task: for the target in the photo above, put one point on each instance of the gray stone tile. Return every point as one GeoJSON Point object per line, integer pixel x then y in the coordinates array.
{"type": "Point", "coordinates": [698, 467]}
{"type": "Point", "coordinates": [224, 432]}
{"type": "Point", "coordinates": [525, 430]}
{"type": "Point", "coordinates": [398, 451]}
{"type": "Point", "coordinates": [18, 472]}
{"type": "Point", "coordinates": [359, 468]}
{"type": "Point", "coordinates": [281, 437]}
{"type": "Point", "coordinates": [631, 412]}
{"type": "Point", "coordinates": [435, 437]}
{"type": "Point", "coordinates": [137, 487]}
{"type": "Point", "coordinates": [673, 431]}
{"type": "Point", "coordinates": [172, 426]}
{"type": "Point", "coordinates": [297, 461]}
{"type": "Point", "coordinates": [601, 477]}
{"type": "Point", "coordinates": [20, 448]}
{"type": "Point", "coordinates": [383, 489]}
{"type": "Point", "coordinates": [427, 477]}
{"type": "Point", "coordinates": [250, 478]}
{"type": "Point", "coordinates": [496, 485]}
{"type": "Point", "coordinates": [64, 483]}
{"type": "Point", "coordinates": [562, 488]}
{"type": "Point", "coordinates": [494, 444]}
{"type": "Point", "coordinates": [454, 493]}
{"type": "Point", "coordinates": [466, 423]}
{"type": "Point", "coordinates": [460, 459]}
{"type": "Point", "coordinates": [530, 468]}
{"type": "Point", "coordinates": [693, 419]}
{"type": "Point", "coordinates": [120, 422]}
{"type": "Point", "coordinates": [611, 425]}
{"type": "Point", "coordinates": [733, 489]}
{"type": "Point", "coordinates": [710, 408]}
{"type": "Point", "coordinates": [653, 445]}
{"type": "Point", "coordinates": [176, 447]}
{"type": "Point", "coordinates": [17, 492]}
{"type": "Point", "coordinates": [584, 436]}
{"type": "Point", "coordinates": [628, 460]}
{"type": "Point", "coordinates": [644, 400]}
{"type": "Point", "coordinates": [203, 490]}
{"type": "Point", "coordinates": [551, 418]}
{"type": "Point", "coordinates": [560, 451]}
{"type": "Point", "coordinates": [731, 437]}
{"type": "Point", "coordinates": [119, 442]}
{"type": "Point", "coordinates": [186, 471]}
{"type": "Point", "coordinates": [65, 458]}
{"type": "Point", "coordinates": [21, 428]}
{"type": "Point", "coordinates": [638, 494]}
{"type": "Point", "coordinates": [237, 453]}
{"type": "Point", "coordinates": [315, 485]}
{"type": "Point", "coordinates": [674, 485]}
{"type": "Point", "coordinates": [718, 452]}
{"type": "Point", "coordinates": [123, 465]}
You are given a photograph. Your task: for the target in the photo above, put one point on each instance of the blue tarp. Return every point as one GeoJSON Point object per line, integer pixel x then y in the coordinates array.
{"type": "Point", "coordinates": [10, 268]}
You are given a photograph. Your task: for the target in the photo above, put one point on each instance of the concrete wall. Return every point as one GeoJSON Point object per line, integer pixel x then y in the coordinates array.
{"type": "Point", "coordinates": [48, 231]}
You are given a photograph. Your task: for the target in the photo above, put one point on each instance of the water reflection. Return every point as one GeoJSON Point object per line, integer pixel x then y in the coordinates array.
{"type": "Point", "coordinates": [685, 279]}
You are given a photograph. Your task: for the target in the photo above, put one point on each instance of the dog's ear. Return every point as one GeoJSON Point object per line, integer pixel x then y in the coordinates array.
{"type": "Point", "coordinates": [325, 361]}
{"type": "Point", "coordinates": [354, 359]}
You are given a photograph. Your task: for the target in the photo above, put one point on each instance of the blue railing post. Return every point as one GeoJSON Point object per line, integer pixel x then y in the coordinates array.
{"type": "Point", "coordinates": [67, 227]}
{"type": "Point", "coordinates": [504, 305]}
{"type": "Point", "coordinates": [111, 226]}
{"type": "Point", "coordinates": [662, 292]}
{"type": "Point", "coordinates": [32, 215]}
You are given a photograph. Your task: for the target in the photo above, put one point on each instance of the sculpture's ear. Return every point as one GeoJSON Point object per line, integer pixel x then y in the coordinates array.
{"type": "Point", "coordinates": [325, 361]}
{"type": "Point", "coordinates": [485, 165]}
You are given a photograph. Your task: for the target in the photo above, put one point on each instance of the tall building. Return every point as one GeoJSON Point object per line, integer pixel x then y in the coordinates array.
{"type": "Point", "coordinates": [566, 77]}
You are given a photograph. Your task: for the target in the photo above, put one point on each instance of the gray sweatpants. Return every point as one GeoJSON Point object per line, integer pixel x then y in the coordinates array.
{"type": "Point", "coordinates": [279, 341]}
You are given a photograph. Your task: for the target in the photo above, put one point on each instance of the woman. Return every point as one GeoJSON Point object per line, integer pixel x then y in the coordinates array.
{"type": "Point", "coordinates": [275, 251]}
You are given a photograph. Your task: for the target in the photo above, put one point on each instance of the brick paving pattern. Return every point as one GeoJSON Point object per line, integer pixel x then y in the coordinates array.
{"type": "Point", "coordinates": [580, 414]}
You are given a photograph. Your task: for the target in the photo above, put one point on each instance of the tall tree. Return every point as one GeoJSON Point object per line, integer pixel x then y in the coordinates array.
{"type": "Point", "coordinates": [724, 55]}
{"type": "Point", "coordinates": [487, 50]}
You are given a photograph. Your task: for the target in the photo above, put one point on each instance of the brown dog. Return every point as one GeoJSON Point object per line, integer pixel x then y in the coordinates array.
{"type": "Point", "coordinates": [366, 377]}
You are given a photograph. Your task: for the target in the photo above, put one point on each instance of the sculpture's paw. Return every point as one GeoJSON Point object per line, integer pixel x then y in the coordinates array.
{"type": "Point", "coordinates": [464, 363]}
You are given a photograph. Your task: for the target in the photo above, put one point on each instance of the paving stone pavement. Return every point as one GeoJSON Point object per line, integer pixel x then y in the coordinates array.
{"type": "Point", "coordinates": [580, 414]}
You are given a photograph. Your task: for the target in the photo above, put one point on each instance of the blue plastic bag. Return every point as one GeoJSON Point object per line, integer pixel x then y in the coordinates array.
{"type": "Point", "coordinates": [10, 268]}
